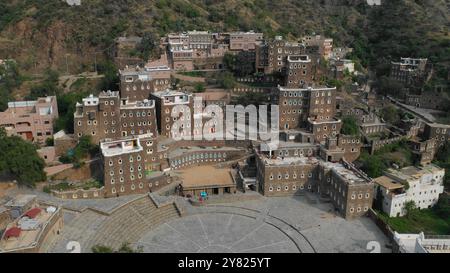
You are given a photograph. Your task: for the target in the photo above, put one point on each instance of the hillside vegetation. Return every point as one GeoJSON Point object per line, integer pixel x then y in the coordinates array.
{"type": "Point", "coordinates": [49, 33]}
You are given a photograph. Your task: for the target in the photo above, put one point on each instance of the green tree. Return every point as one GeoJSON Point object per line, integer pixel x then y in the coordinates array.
{"type": "Point", "coordinates": [48, 87]}
{"type": "Point", "coordinates": [149, 46]}
{"type": "Point", "coordinates": [372, 165]}
{"type": "Point", "coordinates": [199, 87]}
{"type": "Point", "coordinates": [378, 202]}
{"type": "Point", "coordinates": [390, 114]}
{"type": "Point", "coordinates": [9, 80]}
{"type": "Point", "coordinates": [349, 126]}
{"type": "Point", "coordinates": [20, 160]}
{"type": "Point", "coordinates": [442, 208]}
{"type": "Point", "coordinates": [410, 206]}
{"type": "Point", "coordinates": [66, 108]}
{"type": "Point", "coordinates": [110, 80]}
{"type": "Point", "coordinates": [226, 80]}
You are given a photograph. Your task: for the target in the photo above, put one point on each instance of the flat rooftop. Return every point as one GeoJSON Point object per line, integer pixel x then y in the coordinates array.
{"type": "Point", "coordinates": [413, 172]}
{"type": "Point", "coordinates": [349, 175]}
{"type": "Point", "coordinates": [27, 238]}
{"type": "Point", "coordinates": [286, 161]}
{"type": "Point", "coordinates": [138, 104]}
{"type": "Point", "coordinates": [168, 92]}
{"type": "Point", "coordinates": [388, 183]}
{"type": "Point", "coordinates": [119, 147]}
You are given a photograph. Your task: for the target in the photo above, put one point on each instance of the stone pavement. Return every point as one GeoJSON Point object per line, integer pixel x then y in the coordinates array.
{"type": "Point", "coordinates": [279, 224]}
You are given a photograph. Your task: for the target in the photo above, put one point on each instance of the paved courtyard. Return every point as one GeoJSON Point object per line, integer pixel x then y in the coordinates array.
{"type": "Point", "coordinates": [290, 224]}
{"type": "Point", "coordinates": [277, 224]}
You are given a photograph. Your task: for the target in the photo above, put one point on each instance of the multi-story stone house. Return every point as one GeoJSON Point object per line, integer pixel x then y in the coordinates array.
{"type": "Point", "coordinates": [136, 84]}
{"type": "Point", "coordinates": [245, 41]}
{"type": "Point", "coordinates": [127, 163]}
{"type": "Point", "coordinates": [324, 45]}
{"type": "Point", "coordinates": [341, 147]}
{"type": "Point", "coordinates": [165, 102]}
{"type": "Point", "coordinates": [299, 72]}
{"type": "Point", "coordinates": [422, 185]}
{"type": "Point", "coordinates": [109, 117]}
{"type": "Point", "coordinates": [310, 108]}
{"type": "Point", "coordinates": [411, 71]}
{"type": "Point", "coordinates": [286, 176]}
{"type": "Point", "coordinates": [31, 120]}
{"type": "Point", "coordinates": [349, 189]}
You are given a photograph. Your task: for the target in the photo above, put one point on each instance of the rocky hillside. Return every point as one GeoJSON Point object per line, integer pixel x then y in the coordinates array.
{"type": "Point", "coordinates": [50, 33]}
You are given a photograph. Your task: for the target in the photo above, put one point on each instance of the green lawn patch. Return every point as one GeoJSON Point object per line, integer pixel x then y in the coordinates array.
{"type": "Point", "coordinates": [425, 220]}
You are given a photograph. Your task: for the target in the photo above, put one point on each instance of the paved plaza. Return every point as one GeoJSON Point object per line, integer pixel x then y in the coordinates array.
{"type": "Point", "coordinates": [289, 224]}
{"type": "Point", "coordinates": [260, 224]}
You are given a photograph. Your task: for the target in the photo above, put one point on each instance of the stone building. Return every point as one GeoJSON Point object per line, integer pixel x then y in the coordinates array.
{"type": "Point", "coordinates": [245, 41]}
{"type": "Point", "coordinates": [109, 117]}
{"type": "Point", "coordinates": [423, 151]}
{"type": "Point", "coordinates": [137, 83]}
{"type": "Point", "coordinates": [310, 108]}
{"type": "Point", "coordinates": [299, 72]}
{"type": "Point", "coordinates": [411, 71]}
{"type": "Point", "coordinates": [427, 98]}
{"type": "Point", "coordinates": [31, 120]}
{"type": "Point", "coordinates": [271, 56]}
{"type": "Point", "coordinates": [341, 147]}
{"type": "Point", "coordinates": [324, 45]}
{"type": "Point", "coordinates": [349, 189]}
{"type": "Point", "coordinates": [98, 117]}
{"type": "Point", "coordinates": [165, 102]}
{"type": "Point", "coordinates": [127, 162]}
{"type": "Point", "coordinates": [286, 176]}
{"type": "Point", "coordinates": [439, 132]}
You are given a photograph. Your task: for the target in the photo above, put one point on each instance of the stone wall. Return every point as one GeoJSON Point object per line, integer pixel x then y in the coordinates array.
{"type": "Point", "coordinates": [92, 193]}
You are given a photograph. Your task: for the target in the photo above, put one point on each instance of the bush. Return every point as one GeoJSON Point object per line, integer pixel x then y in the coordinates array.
{"type": "Point", "coordinates": [349, 126]}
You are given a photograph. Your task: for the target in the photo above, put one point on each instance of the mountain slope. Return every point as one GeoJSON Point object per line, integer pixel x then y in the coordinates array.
{"type": "Point", "coordinates": [43, 33]}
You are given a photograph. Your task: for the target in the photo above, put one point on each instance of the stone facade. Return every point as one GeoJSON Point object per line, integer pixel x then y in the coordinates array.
{"type": "Point", "coordinates": [299, 72]}
{"type": "Point", "coordinates": [349, 189]}
{"type": "Point", "coordinates": [109, 117]}
{"type": "Point", "coordinates": [410, 71]}
{"type": "Point", "coordinates": [341, 147]}
{"type": "Point", "coordinates": [245, 41]}
{"type": "Point", "coordinates": [126, 164]}
{"type": "Point", "coordinates": [272, 56]}
{"type": "Point", "coordinates": [298, 107]}
{"type": "Point", "coordinates": [137, 84]}
{"type": "Point", "coordinates": [165, 103]}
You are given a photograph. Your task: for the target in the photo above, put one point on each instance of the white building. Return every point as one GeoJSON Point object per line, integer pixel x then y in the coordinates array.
{"type": "Point", "coordinates": [419, 184]}
{"type": "Point", "coordinates": [421, 243]}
